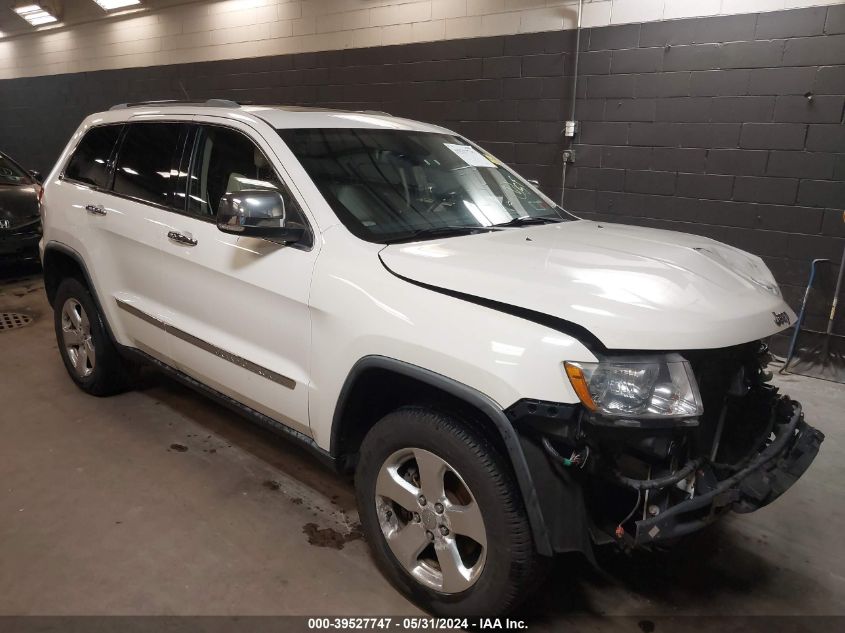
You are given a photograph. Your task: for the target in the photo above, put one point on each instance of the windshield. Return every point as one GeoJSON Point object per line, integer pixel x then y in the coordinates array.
{"type": "Point", "coordinates": [11, 174]}
{"type": "Point", "coordinates": [397, 185]}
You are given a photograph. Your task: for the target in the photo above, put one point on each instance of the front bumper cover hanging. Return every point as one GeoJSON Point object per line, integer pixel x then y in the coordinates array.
{"type": "Point", "coordinates": [763, 480]}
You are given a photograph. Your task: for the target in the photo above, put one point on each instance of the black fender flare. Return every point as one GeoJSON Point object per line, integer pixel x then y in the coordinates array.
{"type": "Point", "coordinates": [66, 250]}
{"type": "Point", "coordinates": [474, 398]}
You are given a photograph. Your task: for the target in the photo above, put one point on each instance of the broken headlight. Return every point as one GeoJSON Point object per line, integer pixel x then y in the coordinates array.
{"type": "Point", "coordinates": [650, 387]}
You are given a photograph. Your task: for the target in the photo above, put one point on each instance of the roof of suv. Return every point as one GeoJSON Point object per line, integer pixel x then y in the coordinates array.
{"type": "Point", "coordinates": [297, 117]}
{"type": "Point", "coordinates": [277, 116]}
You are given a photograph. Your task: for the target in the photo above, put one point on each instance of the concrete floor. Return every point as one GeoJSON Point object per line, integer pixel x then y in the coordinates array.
{"type": "Point", "coordinates": [101, 514]}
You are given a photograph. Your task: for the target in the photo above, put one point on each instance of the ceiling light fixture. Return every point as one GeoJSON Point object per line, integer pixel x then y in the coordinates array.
{"type": "Point", "coordinates": [111, 5]}
{"type": "Point", "coordinates": [35, 14]}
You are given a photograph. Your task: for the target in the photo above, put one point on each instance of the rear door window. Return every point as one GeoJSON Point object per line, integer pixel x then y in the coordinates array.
{"type": "Point", "coordinates": [90, 161]}
{"type": "Point", "coordinates": [144, 169]}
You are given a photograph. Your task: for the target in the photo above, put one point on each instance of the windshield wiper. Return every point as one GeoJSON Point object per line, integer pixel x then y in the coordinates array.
{"type": "Point", "coordinates": [527, 220]}
{"type": "Point", "coordinates": [438, 231]}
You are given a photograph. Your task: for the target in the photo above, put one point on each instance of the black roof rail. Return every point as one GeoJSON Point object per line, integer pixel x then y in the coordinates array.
{"type": "Point", "coordinates": [210, 103]}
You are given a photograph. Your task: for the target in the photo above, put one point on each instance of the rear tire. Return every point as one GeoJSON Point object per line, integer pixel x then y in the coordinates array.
{"type": "Point", "coordinates": [444, 516]}
{"type": "Point", "coordinates": [90, 357]}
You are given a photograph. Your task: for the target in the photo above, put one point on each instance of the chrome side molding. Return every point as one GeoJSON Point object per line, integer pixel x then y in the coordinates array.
{"type": "Point", "coordinates": [269, 374]}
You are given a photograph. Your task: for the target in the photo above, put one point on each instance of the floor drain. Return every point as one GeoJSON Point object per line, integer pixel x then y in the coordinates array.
{"type": "Point", "coordinates": [12, 320]}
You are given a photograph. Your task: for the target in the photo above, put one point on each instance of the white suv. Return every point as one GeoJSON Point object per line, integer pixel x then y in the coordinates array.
{"type": "Point", "coordinates": [505, 380]}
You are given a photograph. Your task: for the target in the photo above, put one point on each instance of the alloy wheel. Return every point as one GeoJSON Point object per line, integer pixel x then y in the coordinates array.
{"type": "Point", "coordinates": [431, 520]}
{"type": "Point", "coordinates": [76, 335]}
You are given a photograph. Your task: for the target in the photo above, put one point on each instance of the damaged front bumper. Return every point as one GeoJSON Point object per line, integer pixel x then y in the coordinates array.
{"type": "Point", "coordinates": [791, 451]}
{"type": "Point", "coordinates": [589, 496]}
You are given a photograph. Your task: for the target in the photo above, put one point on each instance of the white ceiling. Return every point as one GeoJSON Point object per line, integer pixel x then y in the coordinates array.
{"type": "Point", "coordinates": [70, 12]}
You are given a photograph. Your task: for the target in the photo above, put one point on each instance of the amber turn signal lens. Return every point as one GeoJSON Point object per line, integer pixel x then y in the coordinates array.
{"type": "Point", "coordinates": [579, 384]}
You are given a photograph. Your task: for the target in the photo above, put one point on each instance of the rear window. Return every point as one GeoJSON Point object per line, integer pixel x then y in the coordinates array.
{"type": "Point", "coordinates": [90, 161]}
{"type": "Point", "coordinates": [144, 163]}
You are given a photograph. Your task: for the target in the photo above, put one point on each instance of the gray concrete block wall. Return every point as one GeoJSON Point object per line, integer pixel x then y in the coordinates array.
{"type": "Point", "coordinates": [730, 127]}
{"type": "Point", "coordinates": [726, 127]}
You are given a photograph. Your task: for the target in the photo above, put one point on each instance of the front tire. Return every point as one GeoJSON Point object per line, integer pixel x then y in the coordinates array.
{"type": "Point", "coordinates": [443, 515]}
{"type": "Point", "coordinates": [87, 351]}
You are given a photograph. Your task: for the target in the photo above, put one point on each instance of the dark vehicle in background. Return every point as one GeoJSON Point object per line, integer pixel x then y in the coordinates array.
{"type": "Point", "coordinates": [20, 222]}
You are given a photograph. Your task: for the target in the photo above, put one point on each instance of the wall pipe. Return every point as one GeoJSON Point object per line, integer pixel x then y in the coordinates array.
{"type": "Point", "coordinates": [575, 69]}
{"type": "Point", "coordinates": [567, 155]}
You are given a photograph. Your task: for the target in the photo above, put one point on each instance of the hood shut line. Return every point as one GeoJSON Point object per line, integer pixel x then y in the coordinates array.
{"type": "Point", "coordinates": [578, 332]}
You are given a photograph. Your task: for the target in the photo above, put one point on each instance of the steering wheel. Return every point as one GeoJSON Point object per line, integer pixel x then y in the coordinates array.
{"type": "Point", "coordinates": [442, 199]}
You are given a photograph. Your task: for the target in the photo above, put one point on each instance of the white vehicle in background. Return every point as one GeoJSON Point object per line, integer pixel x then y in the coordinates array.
{"type": "Point", "coordinates": [505, 381]}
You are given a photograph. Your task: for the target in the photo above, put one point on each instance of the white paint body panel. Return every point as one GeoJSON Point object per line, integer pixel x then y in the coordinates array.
{"type": "Point", "coordinates": [632, 287]}
{"type": "Point", "coordinates": [311, 315]}
{"type": "Point", "coordinates": [359, 309]}
{"type": "Point", "coordinates": [246, 296]}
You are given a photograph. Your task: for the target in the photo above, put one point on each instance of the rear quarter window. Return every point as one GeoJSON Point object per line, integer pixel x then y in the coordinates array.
{"type": "Point", "coordinates": [89, 163]}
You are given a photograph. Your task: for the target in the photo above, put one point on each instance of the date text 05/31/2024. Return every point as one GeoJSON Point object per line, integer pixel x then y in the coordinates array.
{"type": "Point", "coordinates": [433, 624]}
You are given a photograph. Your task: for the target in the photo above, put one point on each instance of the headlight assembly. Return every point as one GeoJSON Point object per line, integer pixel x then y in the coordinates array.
{"type": "Point", "coordinates": [641, 387]}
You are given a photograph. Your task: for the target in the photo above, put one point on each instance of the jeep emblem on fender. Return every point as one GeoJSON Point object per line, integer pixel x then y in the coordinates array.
{"type": "Point", "coordinates": [781, 318]}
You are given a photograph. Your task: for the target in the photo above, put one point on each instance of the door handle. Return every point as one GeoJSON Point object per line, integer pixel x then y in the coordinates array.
{"type": "Point", "coordinates": [95, 209]}
{"type": "Point", "coordinates": [182, 238]}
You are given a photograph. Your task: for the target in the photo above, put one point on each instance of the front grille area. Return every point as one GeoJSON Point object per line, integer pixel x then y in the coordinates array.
{"type": "Point", "coordinates": [736, 400]}
{"type": "Point", "coordinates": [20, 230]}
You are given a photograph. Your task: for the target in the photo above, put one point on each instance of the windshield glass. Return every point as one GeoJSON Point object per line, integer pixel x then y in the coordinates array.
{"type": "Point", "coordinates": [11, 174]}
{"type": "Point", "coordinates": [399, 185]}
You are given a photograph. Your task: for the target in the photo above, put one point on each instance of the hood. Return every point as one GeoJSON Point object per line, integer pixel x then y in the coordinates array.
{"type": "Point", "coordinates": [631, 287]}
{"type": "Point", "coordinates": [18, 205]}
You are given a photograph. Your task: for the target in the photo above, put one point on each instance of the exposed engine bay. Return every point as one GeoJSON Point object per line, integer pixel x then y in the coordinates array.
{"type": "Point", "coordinates": [648, 481]}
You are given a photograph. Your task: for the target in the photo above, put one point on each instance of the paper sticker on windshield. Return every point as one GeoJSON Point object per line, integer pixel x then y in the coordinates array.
{"type": "Point", "coordinates": [470, 155]}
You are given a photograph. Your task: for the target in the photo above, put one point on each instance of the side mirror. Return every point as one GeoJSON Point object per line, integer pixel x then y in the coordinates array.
{"type": "Point", "coordinates": [256, 213]}
{"type": "Point", "coordinates": [36, 175]}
